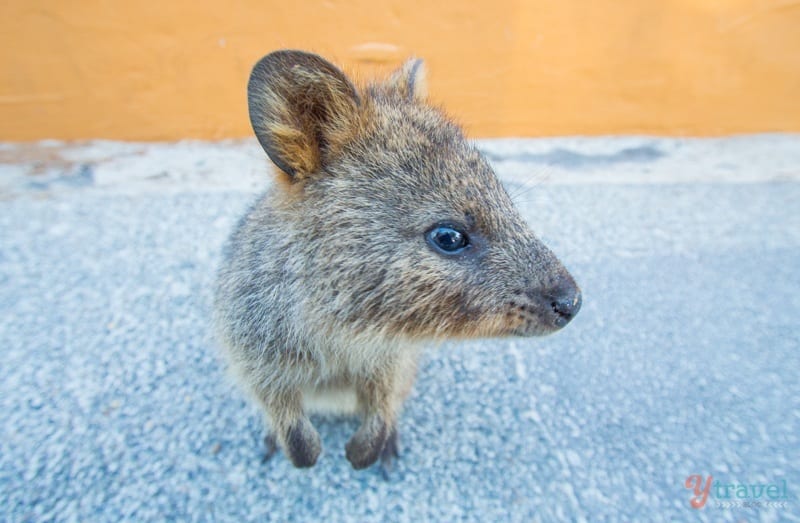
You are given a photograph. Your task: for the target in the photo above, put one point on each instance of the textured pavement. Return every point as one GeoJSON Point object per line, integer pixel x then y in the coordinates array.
{"type": "Point", "coordinates": [684, 359]}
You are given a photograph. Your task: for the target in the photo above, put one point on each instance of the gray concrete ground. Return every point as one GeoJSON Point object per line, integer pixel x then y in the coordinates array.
{"type": "Point", "coordinates": [684, 359]}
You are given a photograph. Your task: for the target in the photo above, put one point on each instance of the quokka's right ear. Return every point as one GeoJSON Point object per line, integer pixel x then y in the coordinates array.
{"type": "Point", "coordinates": [302, 109]}
{"type": "Point", "coordinates": [410, 80]}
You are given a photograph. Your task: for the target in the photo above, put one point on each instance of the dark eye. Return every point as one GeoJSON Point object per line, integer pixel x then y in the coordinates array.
{"type": "Point", "coordinates": [447, 240]}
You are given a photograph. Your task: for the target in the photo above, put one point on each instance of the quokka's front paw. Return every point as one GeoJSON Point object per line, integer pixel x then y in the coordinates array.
{"type": "Point", "coordinates": [302, 444]}
{"type": "Point", "coordinates": [366, 445]}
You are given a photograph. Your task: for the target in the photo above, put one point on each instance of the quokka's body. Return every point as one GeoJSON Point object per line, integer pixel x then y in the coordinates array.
{"type": "Point", "coordinates": [385, 228]}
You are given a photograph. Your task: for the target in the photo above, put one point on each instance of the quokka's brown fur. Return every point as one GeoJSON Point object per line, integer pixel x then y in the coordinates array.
{"type": "Point", "coordinates": [335, 276]}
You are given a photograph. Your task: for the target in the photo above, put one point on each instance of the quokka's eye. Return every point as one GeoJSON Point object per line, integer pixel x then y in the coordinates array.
{"type": "Point", "coordinates": [447, 239]}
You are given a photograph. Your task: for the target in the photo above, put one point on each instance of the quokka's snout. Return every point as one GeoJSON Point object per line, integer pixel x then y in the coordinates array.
{"type": "Point", "coordinates": [549, 298]}
{"type": "Point", "coordinates": [561, 302]}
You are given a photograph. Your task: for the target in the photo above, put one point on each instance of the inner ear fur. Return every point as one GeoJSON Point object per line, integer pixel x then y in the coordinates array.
{"type": "Point", "coordinates": [302, 108]}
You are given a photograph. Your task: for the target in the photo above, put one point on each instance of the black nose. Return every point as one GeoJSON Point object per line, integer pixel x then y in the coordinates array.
{"type": "Point", "coordinates": [565, 301]}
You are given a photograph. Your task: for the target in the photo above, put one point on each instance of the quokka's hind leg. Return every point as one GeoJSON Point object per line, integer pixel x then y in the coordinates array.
{"type": "Point", "coordinates": [270, 446]}
{"type": "Point", "coordinates": [390, 453]}
{"type": "Point", "coordinates": [290, 428]}
{"type": "Point", "coordinates": [391, 449]}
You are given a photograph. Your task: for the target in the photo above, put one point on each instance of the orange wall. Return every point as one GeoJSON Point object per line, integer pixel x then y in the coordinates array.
{"type": "Point", "coordinates": [177, 69]}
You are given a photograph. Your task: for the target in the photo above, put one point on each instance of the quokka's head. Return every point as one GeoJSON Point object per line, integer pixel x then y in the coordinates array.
{"type": "Point", "coordinates": [401, 225]}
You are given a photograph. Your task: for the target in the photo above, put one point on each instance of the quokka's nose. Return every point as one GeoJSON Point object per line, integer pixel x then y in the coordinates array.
{"type": "Point", "coordinates": [565, 300]}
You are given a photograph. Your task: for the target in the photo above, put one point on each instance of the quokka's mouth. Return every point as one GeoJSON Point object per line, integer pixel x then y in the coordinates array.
{"type": "Point", "coordinates": [534, 327]}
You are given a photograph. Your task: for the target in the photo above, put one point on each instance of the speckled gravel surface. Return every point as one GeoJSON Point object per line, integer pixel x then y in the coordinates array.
{"type": "Point", "coordinates": [684, 359]}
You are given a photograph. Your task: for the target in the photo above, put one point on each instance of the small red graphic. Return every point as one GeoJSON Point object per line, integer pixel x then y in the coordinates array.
{"type": "Point", "coordinates": [695, 482]}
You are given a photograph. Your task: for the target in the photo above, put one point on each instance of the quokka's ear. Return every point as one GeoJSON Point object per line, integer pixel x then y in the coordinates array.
{"type": "Point", "coordinates": [301, 108]}
{"type": "Point", "coordinates": [410, 80]}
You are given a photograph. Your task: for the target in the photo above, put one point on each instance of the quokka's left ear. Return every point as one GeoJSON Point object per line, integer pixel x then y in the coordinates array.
{"type": "Point", "coordinates": [410, 80]}
{"type": "Point", "coordinates": [302, 108]}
